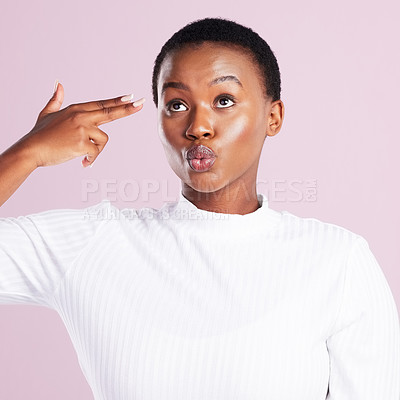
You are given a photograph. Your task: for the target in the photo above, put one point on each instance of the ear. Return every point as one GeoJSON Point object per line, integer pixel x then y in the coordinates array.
{"type": "Point", "coordinates": [276, 113]}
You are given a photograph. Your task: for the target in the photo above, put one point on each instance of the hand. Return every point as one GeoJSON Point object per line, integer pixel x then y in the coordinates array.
{"type": "Point", "coordinates": [61, 135]}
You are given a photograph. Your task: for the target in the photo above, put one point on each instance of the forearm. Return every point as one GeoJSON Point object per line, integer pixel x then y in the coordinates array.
{"type": "Point", "coordinates": [16, 164]}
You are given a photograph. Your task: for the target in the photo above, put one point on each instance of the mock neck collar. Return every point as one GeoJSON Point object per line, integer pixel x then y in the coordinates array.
{"type": "Point", "coordinates": [264, 216]}
{"type": "Point", "coordinates": [262, 201]}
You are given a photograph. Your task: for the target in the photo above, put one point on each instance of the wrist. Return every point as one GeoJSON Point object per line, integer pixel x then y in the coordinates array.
{"type": "Point", "coordinates": [22, 154]}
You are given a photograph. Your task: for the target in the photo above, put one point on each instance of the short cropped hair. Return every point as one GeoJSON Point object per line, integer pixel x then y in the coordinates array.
{"type": "Point", "coordinates": [231, 34]}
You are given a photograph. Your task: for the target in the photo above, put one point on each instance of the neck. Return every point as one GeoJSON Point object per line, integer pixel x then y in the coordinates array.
{"type": "Point", "coordinates": [227, 200]}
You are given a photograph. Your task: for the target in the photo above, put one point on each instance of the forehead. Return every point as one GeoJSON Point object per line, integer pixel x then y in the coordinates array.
{"type": "Point", "coordinates": [197, 64]}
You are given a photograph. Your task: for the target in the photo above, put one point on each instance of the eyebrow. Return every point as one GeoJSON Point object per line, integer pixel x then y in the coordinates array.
{"type": "Point", "coordinates": [216, 81]}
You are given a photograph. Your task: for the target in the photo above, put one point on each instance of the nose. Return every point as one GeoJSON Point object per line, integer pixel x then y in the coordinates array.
{"type": "Point", "coordinates": [200, 124]}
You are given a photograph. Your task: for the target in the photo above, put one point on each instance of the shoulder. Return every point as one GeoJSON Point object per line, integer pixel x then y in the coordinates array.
{"type": "Point", "coordinates": [63, 213]}
{"type": "Point", "coordinates": [56, 224]}
{"type": "Point", "coordinates": [319, 233]}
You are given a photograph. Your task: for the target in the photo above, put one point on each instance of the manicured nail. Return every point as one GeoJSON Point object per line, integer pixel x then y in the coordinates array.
{"type": "Point", "coordinates": [55, 86]}
{"type": "Point", "coordinates": [127, 98]}
{"type": "Point", "coordinates": [84, 158]}
{"type": "Point", "coordinates": [139, 102]}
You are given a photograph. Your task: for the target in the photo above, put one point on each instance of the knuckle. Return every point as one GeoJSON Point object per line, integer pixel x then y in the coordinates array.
{"type": "Point", "coordinates": [100, 104]}
{"type": "Point", "coordinates": [76, 117]}
{"type": "Point", "coordinates": [81, 131]}
{"type": "Point", "coordinates": [104, 138]}
{"type": "Point", "coordinates": [81, 142]}
{"type": "Point", "coordinates": [128, 107]}
{"type": "Point", "coordinates": [107, 111]}
{"type": "Point", "coordinates": [80, 138]}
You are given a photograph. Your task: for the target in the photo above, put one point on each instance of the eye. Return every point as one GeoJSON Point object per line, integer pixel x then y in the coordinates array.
{"type": "Point", "coordinates": [174, 106]}
{"type": "Point", "coordinates": [225, 101]}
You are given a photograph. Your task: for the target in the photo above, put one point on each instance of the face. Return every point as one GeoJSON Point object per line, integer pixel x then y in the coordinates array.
{"type": "Point", "coordinates": [230, 115]}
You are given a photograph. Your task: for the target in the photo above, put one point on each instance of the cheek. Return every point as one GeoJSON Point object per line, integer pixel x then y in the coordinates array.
{"type": "Point", "coordinates": [171, 139]}
{"type": "Point", "coordinates": [170, 131]}
{"type": "Point", "coordinates": [241, 142]}
{"type": "Point", "coordinates": [240, 132]}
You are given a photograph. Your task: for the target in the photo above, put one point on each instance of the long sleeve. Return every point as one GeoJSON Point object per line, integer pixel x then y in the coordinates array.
{"type": "Point", "coordinates": [364, 348]}
{"type": "Point", "coordinates": [36, 250]}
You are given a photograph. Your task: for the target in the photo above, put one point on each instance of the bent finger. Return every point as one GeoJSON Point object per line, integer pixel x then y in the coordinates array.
{"type": "Point", "coordinates": [91, 154]}
{"type": "Point", "coordinates": [99, 138]}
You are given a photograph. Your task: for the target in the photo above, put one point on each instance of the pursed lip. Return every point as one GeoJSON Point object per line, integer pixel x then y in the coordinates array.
{"type": "Point", "coordinates": [199, 151]}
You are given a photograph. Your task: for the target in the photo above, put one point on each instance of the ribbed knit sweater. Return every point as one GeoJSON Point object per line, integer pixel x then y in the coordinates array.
{"type": "Point", "coordinates": [180, 303]}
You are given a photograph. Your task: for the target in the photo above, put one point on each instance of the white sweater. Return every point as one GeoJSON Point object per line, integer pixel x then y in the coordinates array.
{"type": "Point", "coordinates": [186, 304]}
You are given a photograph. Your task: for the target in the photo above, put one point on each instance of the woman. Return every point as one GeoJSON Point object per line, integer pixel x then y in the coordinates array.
{"type": "Point", "coordinates": [215, 296]}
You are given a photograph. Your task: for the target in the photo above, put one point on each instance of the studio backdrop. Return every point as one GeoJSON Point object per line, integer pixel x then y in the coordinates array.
{"type": "Point", "coordinates": [335, 158]}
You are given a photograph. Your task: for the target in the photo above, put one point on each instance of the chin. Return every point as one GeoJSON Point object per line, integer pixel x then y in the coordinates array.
{"type": "Point", "coordinates": [205, 183]}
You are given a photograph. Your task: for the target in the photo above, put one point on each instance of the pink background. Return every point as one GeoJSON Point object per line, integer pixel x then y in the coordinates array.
{"type": "Point", "coordinates": [340, 81]}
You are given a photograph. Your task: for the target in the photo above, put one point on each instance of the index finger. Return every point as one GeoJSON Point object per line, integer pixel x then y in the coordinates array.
{"type": "Point", "coordinates": [107, 114]}
{"type": "Point", "coordinates": [104, 103]}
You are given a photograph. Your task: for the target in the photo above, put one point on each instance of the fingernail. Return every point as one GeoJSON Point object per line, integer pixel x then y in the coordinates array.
{"type": "Point", "coordinates": [127, 98]}
{"type": "Point", "coordinates": [55, 86]}
{"type": "Point", "coordinates": [139, 102]}
{"type": "Point", "coordinates": [84, 158]}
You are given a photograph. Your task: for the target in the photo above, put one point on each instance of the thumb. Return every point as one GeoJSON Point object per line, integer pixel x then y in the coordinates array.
{"type": "Point", "coordinates": [55, 102]}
